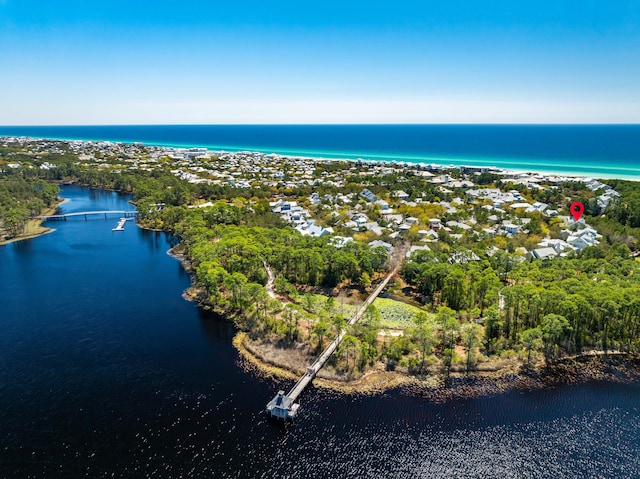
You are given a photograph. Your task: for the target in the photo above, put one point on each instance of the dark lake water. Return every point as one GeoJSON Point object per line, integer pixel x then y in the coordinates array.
{"type": "Point", "coordinates": [105, 371]}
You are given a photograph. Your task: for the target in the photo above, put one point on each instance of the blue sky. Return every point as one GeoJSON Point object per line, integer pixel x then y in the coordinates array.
{"type": "Point", "coordinates": [133, 62]}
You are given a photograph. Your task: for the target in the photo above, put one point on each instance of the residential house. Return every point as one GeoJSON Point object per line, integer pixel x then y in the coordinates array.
{"type": "Point", "coordinates": [381, 244]}
{"type": "Point", "coordinates": [417, 248]}
{"type": "Point", "coordinates": [368, 196]}
{"type": "Point", "coordinates": [401, 195]}
{"type": "Point", "coordinates": [542, 253]}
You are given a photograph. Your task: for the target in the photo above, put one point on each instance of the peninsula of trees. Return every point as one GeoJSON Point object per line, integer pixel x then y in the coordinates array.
{"type": "Point", "coordinates": [496, 273]}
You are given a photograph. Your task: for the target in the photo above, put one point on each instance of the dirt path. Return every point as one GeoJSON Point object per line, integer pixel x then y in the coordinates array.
{"type": "Point", "coordinates": [270, 280]}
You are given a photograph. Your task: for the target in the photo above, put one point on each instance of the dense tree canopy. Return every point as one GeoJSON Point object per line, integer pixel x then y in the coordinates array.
{"type": "Point", "coordinates": [20, 199]}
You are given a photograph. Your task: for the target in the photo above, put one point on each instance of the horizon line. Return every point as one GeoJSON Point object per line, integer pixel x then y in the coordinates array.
{"type": "Point", "coordinates": [74, 125]}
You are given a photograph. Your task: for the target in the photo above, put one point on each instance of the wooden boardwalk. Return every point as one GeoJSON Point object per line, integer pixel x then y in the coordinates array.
{"type": "Point", "coordinates": [285, 406]}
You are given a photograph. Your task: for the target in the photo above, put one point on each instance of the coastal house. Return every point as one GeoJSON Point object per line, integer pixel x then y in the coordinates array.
{"type": "Point", "coordinates": [381, 244]}
{"type": "Point", "coordinates": [374, 227]}
{"type": "Point", "coordinates": [340, 198]}
{"type": "Point", "coordinates": [542, 253]}
{"type": "Point", "coordinates": [351, 224]}
{"type": "Point", "coordinates": [384, 206]}
{"type": "Point", "coordinates": [415, 248]}
{"type": "Point", "coordinates": [456, 224]}
{"type": "Point", "coordinates": [430, 235]}
{"type": "Point", "coordinates": [401, 195]}
{"type": "Point", "coordinates": [309, 228]}
{"type": "Point", "coordinates": [580, 242]}
{"type": "Point", "coordinates": [474, 194]}
{"type": "Point", "coordinates": [580, 228]}
{"type": "Point", "coordinates": [518, 206]}
{"type": "Point", "coordinates": [605, 199]}
{"type": "Point", "coordinates": [340, 241]}
{"type": "Point", "coordinates": [286, 205]}
{"type": "Point", "coordinates": [440, 180]}
{"type": "Point", "coordinates": [463, 257]}
{"type": "Point", "coordinates": [539, 206]}
{"type": "Point", "coordinates": [404, 227]}
{"type": "Point", "coordinates": [509, 228]}
{"type": "Point", "coordinates": [368, 196]}
{"type": "Point", "coordinates": [468, 170]}
{"type": "Point", "coordinates": [443, 190]}
{"type": "Point", "coordinates": [314, 199]}
{"type": "Point", "coordinates": [394, 219]}
{"type": "Point", "coordinates": [360, 219]}
{"type": "Point", "coordinates": [460, 184]}
{"type": "Point", "coordinates": [557, 244]}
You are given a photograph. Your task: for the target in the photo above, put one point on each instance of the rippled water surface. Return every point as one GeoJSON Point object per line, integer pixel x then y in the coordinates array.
{"type": "Point", "coordinates": [105, 371]}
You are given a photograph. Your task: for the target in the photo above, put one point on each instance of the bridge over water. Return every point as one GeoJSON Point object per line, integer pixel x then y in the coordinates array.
{"type": "Point", "coordinates": [86, 214]}
{"type": "Point", "coordinates": [284, 405]}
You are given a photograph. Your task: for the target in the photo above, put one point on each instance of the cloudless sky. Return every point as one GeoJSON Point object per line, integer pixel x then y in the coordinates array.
{"type": "Point", "coordinates": [445, 61]}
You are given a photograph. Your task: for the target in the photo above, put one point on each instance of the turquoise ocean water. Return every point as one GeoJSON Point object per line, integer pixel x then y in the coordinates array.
{"type": "Point", "coordinates": [600, 151]}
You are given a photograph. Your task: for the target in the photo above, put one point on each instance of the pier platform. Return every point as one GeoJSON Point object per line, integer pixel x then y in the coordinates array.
{"type": "Point", "coordinates": [120, 225]}
{"type": "Point", "coordinates": [284, 406]}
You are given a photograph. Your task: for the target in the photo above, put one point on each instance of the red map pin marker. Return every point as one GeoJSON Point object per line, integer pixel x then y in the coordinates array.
{"type": "Point", "coordinates": [576, 209]}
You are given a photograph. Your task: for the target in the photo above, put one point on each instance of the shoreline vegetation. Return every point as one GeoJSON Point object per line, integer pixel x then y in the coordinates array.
{"type": "Point", "coordinates": [500, 288]}
{"type": "Point", "coordinates": [33, 227]}
{"type": "Point", "coordinates": [617, 367]}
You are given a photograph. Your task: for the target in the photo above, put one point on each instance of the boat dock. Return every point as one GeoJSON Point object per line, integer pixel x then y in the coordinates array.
{"type": "Point", "coordinates": [285, 406]}
{"type": "Point", "coordinates": [121, 223]}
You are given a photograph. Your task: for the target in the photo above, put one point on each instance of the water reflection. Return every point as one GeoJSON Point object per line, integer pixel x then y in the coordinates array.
{"type": "Point", "coordinates": [215, 327]}
{"type": "Point", "coordinates": [22, 247]}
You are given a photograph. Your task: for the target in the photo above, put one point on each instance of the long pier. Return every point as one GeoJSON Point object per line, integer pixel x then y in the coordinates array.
{"type": "Point", "coordinates": [283, 405]}
{"type": "Point", "coordinates": [86, 214]}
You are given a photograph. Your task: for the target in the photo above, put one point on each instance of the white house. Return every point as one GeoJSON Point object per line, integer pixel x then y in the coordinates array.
{"type": "Point", "coordinates": [509, 228]}
{"type": "Point", "coordinates": [309, 228]}
{"type": "Point", "coordinates": [381, 244]}
{"type": "Point", "coordinates": [401, 195]}
{"type": "Point", "coordinates": [434, 224]}
{"type": "Point", "coordinates": [368, 196]}
{"type": "Point", "coordinates": [542, 253]}
{"type": "Point", "coordinates": [417, 248]}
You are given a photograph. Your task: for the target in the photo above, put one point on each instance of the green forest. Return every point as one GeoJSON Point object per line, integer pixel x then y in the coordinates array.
{"type": "Point", "coordinates": [21, 199]}
{"type": "Point", "coordinates": [569, 304]}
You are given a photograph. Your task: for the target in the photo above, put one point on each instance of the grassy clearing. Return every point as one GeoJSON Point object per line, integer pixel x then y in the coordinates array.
{"type": "Point", "coordinates": [319, 302]}
{"type": "Point", "coordinates": [395, 314]}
